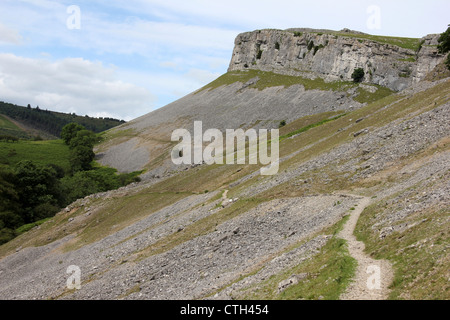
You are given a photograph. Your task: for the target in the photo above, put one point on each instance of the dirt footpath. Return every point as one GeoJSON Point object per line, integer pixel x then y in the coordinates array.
{"type": "Point", "coordinates": [372, 277]}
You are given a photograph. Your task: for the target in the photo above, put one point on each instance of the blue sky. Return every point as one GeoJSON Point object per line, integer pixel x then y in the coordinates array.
{"type": "Point", "coordinates": [123, 59]}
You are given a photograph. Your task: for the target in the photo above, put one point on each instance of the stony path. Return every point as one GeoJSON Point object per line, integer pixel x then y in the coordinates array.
{"type": "Point", "coordinates": [372, 277]}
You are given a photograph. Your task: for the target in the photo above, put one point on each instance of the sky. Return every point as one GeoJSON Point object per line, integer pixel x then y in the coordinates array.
{"type": "Point", "coordinates": [124, 59]}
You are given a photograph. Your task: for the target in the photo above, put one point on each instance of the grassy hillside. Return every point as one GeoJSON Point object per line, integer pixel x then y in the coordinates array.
{"type": "Point", "coordinates": [392, 150]}
{"type": "Point", "coordinates": [43, 152]}
{"type": "Point", "coordinates": [8, 128]}
{"type": "Point", "coordinates": [271, 79]}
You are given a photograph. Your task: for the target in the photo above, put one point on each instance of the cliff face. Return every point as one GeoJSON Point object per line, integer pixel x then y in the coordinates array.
{"type": "Point", "coordinates": [335, 55]}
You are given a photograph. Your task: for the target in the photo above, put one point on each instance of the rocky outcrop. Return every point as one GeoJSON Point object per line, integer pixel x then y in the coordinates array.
{"type": "Point", "coordinates": [335, 55]}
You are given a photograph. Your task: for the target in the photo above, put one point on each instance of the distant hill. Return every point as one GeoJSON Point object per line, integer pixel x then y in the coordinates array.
{"type": "Point", "coordinates": [28, 122]}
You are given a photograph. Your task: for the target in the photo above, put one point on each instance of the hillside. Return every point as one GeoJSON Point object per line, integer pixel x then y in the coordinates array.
{"type": "Point", "coordinates": [28, 122]}
{"type": "Point", "coordinates": [363, 181]}
{"type": "Point", "coordinates": [276, 76]}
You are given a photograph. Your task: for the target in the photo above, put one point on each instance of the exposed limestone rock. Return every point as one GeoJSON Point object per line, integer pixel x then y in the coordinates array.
{"type": "Point", "coordinates": [333, 57]}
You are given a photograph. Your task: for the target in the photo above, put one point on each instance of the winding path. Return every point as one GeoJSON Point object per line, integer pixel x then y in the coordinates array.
{"type": "Point", "coordinates": [372, 277]}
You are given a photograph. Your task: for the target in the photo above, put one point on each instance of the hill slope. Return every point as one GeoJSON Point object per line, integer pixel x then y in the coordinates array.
{"type": "Point", "coordinates": [276, 76]}
{"type": "Point", "coordinates": [31, 122]}
{"type": "Point", "coordinates": [225, 231]}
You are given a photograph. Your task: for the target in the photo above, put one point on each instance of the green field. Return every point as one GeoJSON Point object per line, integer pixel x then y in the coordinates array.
{"type": "Point", "coordinates": [43, 152]}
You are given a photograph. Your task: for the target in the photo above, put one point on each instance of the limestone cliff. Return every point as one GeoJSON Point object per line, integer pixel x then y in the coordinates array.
{"type": "Point", "coordinates": [392, 62]}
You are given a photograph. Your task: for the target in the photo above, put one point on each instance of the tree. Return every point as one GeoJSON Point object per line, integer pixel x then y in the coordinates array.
{"type": "Point", "coordinates": [444, 45]}
{"type": "Point", "coordinates": [81, 157]}
{"type": "Point", "coordinates": [85, 138]}
{"type": "Point", "coordinates": [358, 75]}
{"type": "Point", "coordinates": [70, 131]}
{"type": "Point", "coordinates": [81, 149]}
{"type": "Point", "coordinates": [37, 185]}
{"type": "Point", "coordinates": [81, 143]}
{"type": "Point", "coordinates": [9, 205]}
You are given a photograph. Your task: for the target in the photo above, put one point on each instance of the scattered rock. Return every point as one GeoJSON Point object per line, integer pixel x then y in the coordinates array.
{"type": "Point", "coordinates": [293, 280]}
{"type": "Point", "coordinates": [360, 132]}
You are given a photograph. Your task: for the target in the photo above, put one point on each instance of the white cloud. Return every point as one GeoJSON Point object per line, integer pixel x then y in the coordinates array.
{"type": "Point", "coordinates": [8, 35]}
{"type": "Point", "coordinates": [281, 14]}
{"type": "Point", "coordinates": [148, 38]}
{"type": "Point", "coordinates": [71, 85]}
{"type": "Point", "coordinates": [200, 76]}
{"type": "Point", "coordinates": [162, 49]}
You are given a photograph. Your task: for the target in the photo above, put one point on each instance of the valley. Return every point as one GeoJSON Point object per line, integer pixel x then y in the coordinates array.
{"type": "Point", "coordinates": [363, 179]}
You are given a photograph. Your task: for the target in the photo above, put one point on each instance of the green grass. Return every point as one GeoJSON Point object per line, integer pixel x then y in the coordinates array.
{"type": "Point", "coordinates": [329, 273]}
{"type": "Point", "coordinates": [271, 79]}
{"type": "Point", "coordinates": [43, 152]}
{"type": "Point", "coordinates": [310, 126]}
{"type": "Point", "coordinates": [421, 270]}
{"type": "Point", "coordinates": [29, 226]}
{"type": "Point", "coordinates": [116, 133]}
{"type": "Point", "coordinates": [336, 267]}
{"type": "Point", "coordinates": [6, 124]}
{"type": "Point", "coordinates": [410, 59]}
{"type": "Point", "coordinates": [365, 96]}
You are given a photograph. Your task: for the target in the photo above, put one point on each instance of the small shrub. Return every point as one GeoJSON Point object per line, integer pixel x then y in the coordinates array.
{"type": "Point", "coordinates": [358, 75]}
{"type": "Point", "coordinates": [282, 123]}
{"type": "Point", "coordinates": [37, 138]}
{"type": "Point", "coordinates": [277, 45]}
{"type": "Point", "coordinates": [258, 56]}
{"type": "Point", "coordinates": [310, 45]}
{"type": "Point", "coordinates": [317, 48]}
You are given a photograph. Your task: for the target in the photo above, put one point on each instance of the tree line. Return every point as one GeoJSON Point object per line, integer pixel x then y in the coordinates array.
{"type": "Point", "coordinates": [53, 122]}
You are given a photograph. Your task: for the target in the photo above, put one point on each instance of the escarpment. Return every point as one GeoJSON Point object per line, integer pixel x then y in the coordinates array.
{"type": "Point", "coordinates": [392, 62]}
